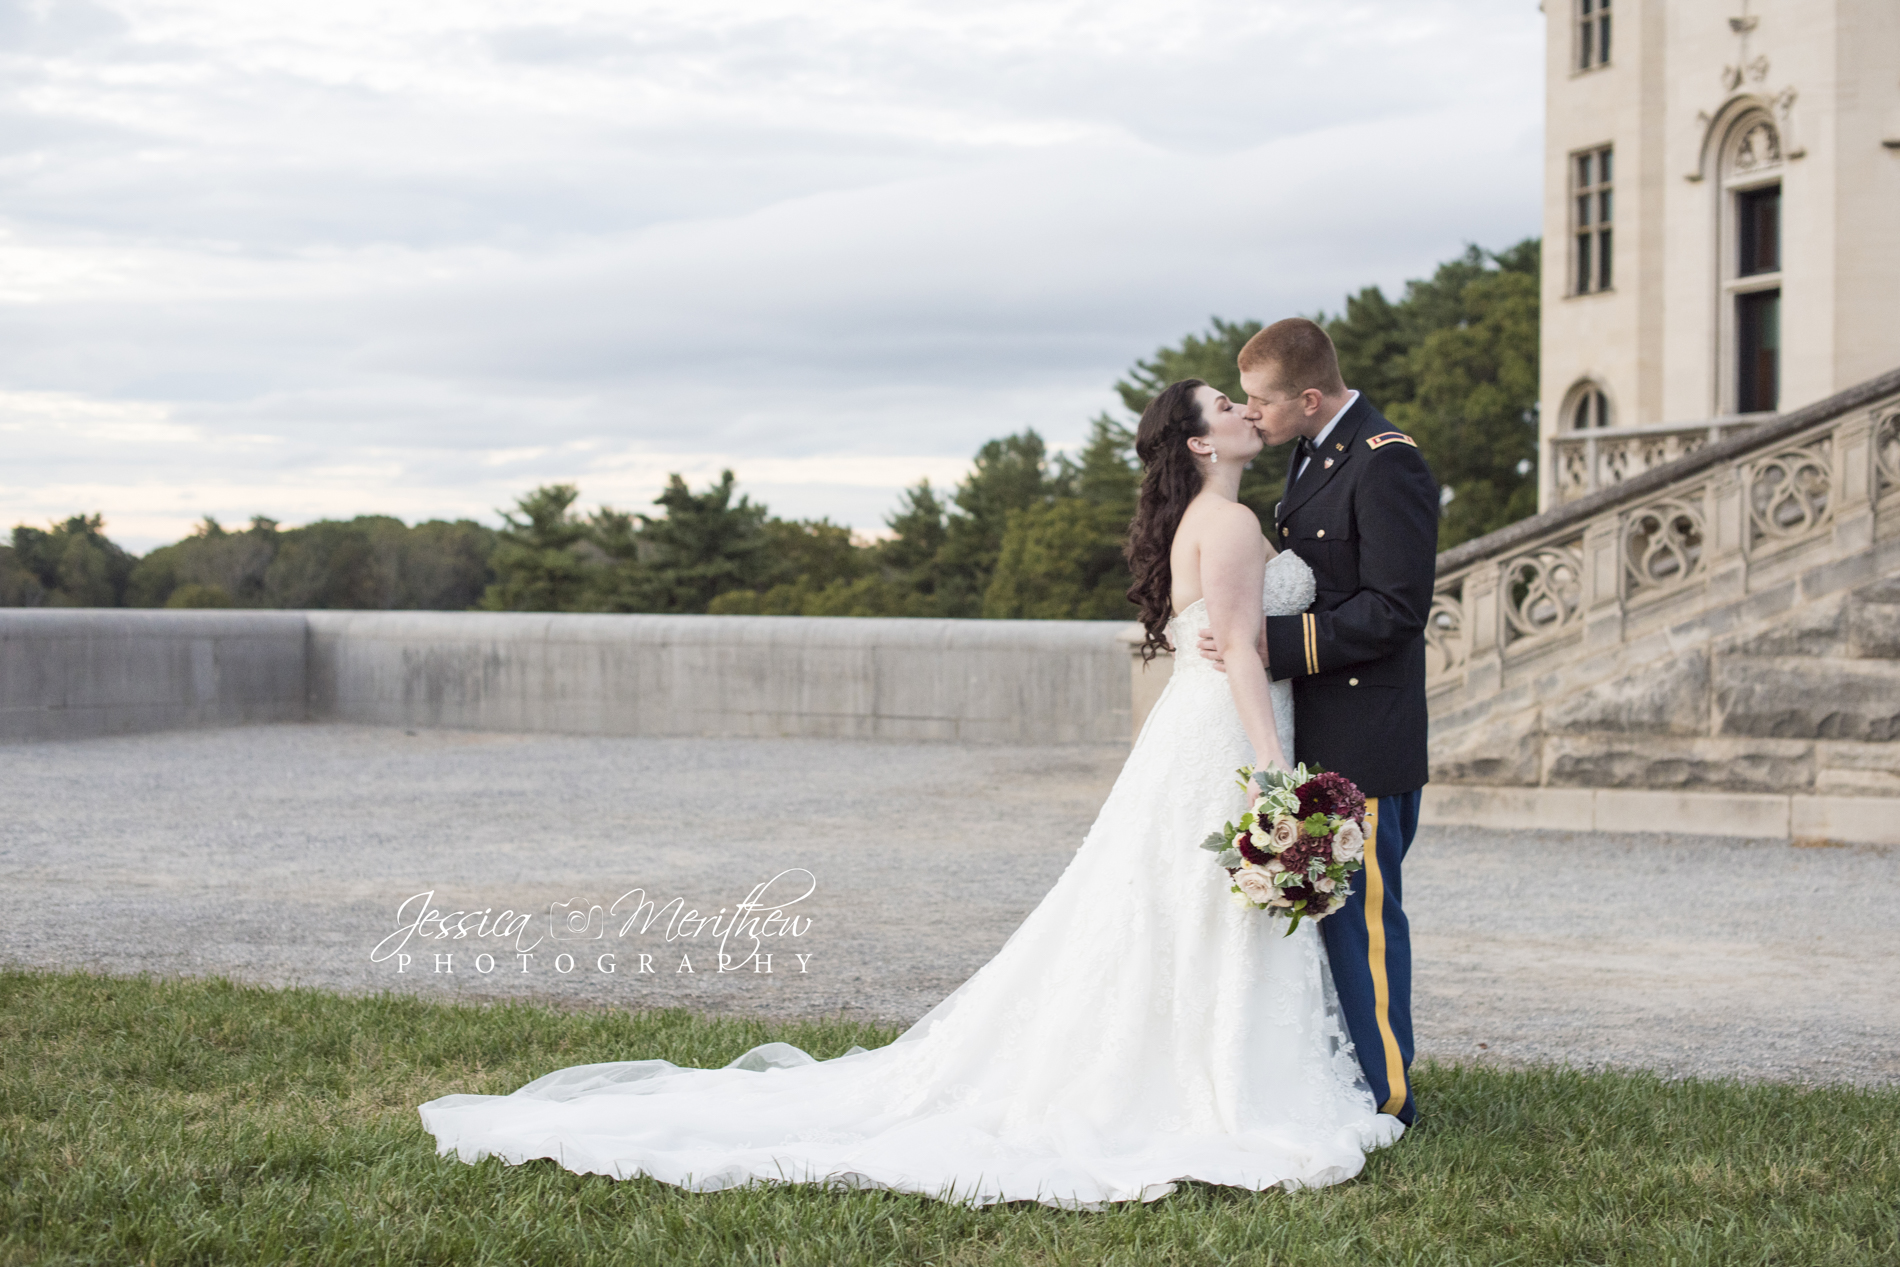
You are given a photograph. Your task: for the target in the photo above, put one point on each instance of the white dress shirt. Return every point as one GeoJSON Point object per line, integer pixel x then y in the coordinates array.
{"type": "Point", "coordinates": [1323, 433]}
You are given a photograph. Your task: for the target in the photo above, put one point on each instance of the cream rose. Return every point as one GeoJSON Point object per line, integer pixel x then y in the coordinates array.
{"type": "Point", "coordinates": [1255, 885]}
{"type": "Point", "coordinates": [1349, 843]}
{"type": "Point", "coordinates": [1285, 833]}
{"type": "Point", "coordinates": [1324, 884]}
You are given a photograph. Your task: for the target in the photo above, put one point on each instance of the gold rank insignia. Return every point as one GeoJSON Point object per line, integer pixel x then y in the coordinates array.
{"type": "Point", "coordinates": [1390, 437]}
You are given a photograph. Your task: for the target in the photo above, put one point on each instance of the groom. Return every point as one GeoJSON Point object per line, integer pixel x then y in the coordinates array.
{"type": "Point", "coordinates": [1361, 508]}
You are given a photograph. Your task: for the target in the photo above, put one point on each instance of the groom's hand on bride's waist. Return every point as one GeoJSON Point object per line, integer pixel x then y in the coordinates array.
{"type": "Point", "coordinates": [1211, 651]}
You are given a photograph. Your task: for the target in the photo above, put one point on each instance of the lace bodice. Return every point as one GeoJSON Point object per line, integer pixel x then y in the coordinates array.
{"type": "Point", "coordinates": [1288, 589]}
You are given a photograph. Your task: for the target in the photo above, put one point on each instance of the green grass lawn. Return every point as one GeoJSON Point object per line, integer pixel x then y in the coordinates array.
{"type": "Point", "coordinates": [164, 1121]}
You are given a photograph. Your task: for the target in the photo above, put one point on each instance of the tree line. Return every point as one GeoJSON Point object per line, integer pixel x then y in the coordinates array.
{"type": "Point", "coordinates": [1026, 534]}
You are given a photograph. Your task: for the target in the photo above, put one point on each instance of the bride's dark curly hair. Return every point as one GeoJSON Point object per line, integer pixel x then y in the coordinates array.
{"type": "Point", "coordinates": [1169, 481]}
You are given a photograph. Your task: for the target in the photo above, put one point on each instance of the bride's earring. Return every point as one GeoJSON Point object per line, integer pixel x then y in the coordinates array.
{"type": "Point", "coordinates": [1213, 457]}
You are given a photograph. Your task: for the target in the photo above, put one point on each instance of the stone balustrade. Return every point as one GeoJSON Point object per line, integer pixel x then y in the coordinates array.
{"type": "Point", "coordinates": [1583, 462]}
{"type": "Point", "coordinates": [1722, 625]}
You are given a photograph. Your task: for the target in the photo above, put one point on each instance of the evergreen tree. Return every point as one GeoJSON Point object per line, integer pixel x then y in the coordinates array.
{"type": "Point", "coordinates": [1062, 559]}
{"type": "Point", "coordinates": [1105, 472]}
{"type": "Point", "coordinates": [1009, 474]}
{"type": "Point", "coordinates": [919, 529]}
{"type": "Point", "coordinates": [540, 562]}
{"type": "Point", "coordinates": [705, 545]}
{"type": "Point", "coordinates": [1455, 363]}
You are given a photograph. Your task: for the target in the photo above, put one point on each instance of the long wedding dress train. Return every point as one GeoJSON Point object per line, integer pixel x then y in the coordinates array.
{"type": "Point", "coordinates": [1138, 1029]}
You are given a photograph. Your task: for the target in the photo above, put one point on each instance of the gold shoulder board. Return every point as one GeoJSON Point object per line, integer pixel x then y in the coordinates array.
{"type": "Point", "coordinates": [1390, 437]}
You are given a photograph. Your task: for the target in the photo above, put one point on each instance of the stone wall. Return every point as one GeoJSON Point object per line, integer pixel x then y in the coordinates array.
{"type": "Point", "coordinates": [67, 674]}
{"type": "Point", "coordinates": [1019, 681]}
{"type": "Point", "coordinates": [76, 673]}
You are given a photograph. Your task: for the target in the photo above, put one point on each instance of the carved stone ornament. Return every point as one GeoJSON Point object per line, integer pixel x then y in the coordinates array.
{"type": "Point", "coordinates": [1887, 452]}
{"type": "Point", "coordinates": [1543, 590]}
{"type": "Point", "coordinates": [1759, 147]}
{"type": "Point", "coordinates": [1756, 70]}
{"type": "Point", "coordinates": [1790, 494]}
{"type": "Point", "coordinates": [1445, 647]}
{"type": "Point", "coordinates": [1662, 545]}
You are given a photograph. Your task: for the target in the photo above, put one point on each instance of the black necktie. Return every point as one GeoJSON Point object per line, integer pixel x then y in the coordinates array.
{"type": "Point", "coordinates": [1301, 452]}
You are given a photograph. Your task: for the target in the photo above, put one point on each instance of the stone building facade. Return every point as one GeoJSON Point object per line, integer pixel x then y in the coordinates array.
{"type": "Point", "coordinates": [1721, 222]}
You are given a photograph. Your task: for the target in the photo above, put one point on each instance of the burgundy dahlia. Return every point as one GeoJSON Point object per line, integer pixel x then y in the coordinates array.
{"type": "Point", "coordinates": [1330, 793]}
{"type": "Point", "coordinates": [1244, 843]}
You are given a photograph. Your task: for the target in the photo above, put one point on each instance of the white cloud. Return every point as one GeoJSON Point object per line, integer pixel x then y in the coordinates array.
{"type": "Point", "coordinates": [418, 258]}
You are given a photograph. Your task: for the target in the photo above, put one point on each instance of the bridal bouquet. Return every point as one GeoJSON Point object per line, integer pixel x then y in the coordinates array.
{"type": "Point", "coordinates": [1293, 852]}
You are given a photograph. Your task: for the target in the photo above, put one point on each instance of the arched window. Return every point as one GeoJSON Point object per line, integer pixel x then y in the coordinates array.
{"type": "Point", "coordinates": [1588, 408]}
{"type": "Point", "coordinates": [1751, 263]}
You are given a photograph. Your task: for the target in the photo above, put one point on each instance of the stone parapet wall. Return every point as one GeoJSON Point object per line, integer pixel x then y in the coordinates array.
{"type": "Point", "coordinates": [68, 674]}
{"type": "Point", "coordinates": [79, 672]}
{"type": "Point", "coordinates": [1022, 681]}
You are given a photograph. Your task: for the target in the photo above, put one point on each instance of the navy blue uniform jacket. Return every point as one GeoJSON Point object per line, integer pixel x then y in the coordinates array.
{"type": "Point", "coordinates": [1365, 518]}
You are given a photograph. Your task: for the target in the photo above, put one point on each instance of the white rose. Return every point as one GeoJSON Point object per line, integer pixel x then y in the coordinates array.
{"type": "Point", "coordinates": [1285, 833]}
{"type": "Point", "coordinates": [1349, 843]}
{"type": "Point", "coordinates": [1257, 887]}
{"type": "Point", "coordinates": [1324, 884]}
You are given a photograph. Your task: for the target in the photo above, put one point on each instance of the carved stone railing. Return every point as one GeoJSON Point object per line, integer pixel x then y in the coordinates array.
{"type": "Point", "coordinates": [1733, 512]}
{"type": "Point", "coordinates": [1583, 462]}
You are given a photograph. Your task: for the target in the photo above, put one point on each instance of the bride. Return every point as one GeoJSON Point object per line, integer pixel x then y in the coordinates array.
{"type": "Point", "coordinates": [1138, 1029]}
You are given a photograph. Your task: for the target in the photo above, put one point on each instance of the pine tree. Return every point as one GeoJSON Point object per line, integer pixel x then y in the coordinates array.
{"type": "Point", "coordinates": [539, 561]}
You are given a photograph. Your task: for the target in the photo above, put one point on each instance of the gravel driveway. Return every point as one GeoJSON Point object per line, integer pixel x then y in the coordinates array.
{"type": "Point", "coordinates": [285, 854]}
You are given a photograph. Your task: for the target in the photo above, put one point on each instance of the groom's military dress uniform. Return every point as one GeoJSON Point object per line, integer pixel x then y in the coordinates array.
{"type": "Point", "coordinates": [1363, 513]}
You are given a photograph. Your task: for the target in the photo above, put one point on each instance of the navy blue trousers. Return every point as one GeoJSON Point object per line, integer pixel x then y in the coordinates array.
{"type": "Point", "coordinates": [1370, 946]}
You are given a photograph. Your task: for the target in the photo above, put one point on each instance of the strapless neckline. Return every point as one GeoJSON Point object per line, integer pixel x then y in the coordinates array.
{"type": "Point", "coordinates": [1199, 602]}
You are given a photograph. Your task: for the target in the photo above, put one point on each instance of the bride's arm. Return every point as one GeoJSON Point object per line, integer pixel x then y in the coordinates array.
{"type": "Point", "coordinates": [1233, 564]}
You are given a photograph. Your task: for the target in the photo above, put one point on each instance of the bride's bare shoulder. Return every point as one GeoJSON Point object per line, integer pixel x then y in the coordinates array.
{"type": "Point", "coordinates": [1224, 524]}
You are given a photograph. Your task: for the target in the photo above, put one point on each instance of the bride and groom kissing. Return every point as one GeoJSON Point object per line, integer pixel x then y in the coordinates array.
{"type": "Point", "coordinates": [1139, 1029]}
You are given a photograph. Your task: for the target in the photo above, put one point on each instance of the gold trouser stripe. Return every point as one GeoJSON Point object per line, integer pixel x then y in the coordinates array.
{"type": "Point", "coordinates": [1375, 956]}
{"type": "Point", "coordinates": [1309, 631]}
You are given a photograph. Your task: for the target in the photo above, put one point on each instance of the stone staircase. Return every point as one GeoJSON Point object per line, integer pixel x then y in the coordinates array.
{"type": "Point", "coordinates": [1709, 645]}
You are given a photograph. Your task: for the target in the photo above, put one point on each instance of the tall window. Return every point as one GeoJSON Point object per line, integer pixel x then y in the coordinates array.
{"type": "Point", "coordinates": [1591, 409]}
{"type": "Point", "coordinates": [1593, 33]}
{"type": "Point", "coordinates": [1758, 312]}
{"type": "Point", "coordinates": [1758, 231]}
{"type": "Point", "coordinates": [1758, 354]}
{"type": "Point", "coordinates": [1592, 174]}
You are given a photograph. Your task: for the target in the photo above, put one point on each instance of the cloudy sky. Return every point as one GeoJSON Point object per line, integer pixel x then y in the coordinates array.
{"type": "Point", "coordinates": [319, 260]}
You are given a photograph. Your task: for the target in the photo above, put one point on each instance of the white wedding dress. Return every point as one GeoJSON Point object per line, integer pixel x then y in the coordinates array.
{"type": "Point", "coordinates": [1138, 1029]}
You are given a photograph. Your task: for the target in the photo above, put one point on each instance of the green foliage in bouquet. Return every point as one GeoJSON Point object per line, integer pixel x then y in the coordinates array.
{"type": "Point", "coordinates": [1292, 864]}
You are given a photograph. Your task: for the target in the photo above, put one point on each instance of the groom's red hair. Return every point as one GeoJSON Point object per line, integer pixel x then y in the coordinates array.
{"type": "Point", "coordinates": [1297, 354]}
